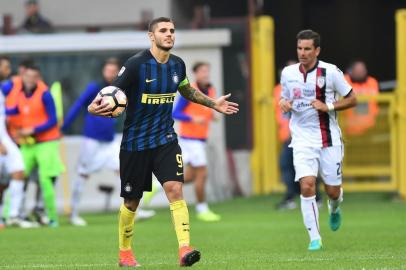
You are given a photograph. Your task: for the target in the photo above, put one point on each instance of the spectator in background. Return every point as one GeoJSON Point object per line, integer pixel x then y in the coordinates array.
{"type": "Point", "coordinates": [11, 160]}
{"type": "Point", "coordinates": [34, 21]}
{"type": "Point", "coordinates": [38, 134]}
{"type": "Point", "coordinates": [98, 149]}
{"type": "Point", "coordinates": [194, 121]}
{"type": "Point", "coordinates": [286, 166]}
{"type": "Point", "coordinates": [146, 17]}
{"type": "Point", "coordinates": [26, 62]}
{"type": "Point", "coordinates": [13, 126]}
{"type": "Point", "coordinates": [364, 114]}
{"type": "Point", "coordinates": [201, 16]}
{"type": "Point", "coordinates": [13, 121]}
{"type": "Point", "coordinates": [5, 68]}
{"type": "Point", "coordinates": [5, 72]}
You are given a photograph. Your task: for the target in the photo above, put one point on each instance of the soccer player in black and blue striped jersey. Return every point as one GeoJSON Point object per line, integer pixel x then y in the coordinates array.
{"type": "Point", "coordinates": [150, 80]}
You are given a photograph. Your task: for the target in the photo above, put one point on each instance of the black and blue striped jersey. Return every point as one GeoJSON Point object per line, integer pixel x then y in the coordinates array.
{"type": "Point", "coordinates": [151, 89]}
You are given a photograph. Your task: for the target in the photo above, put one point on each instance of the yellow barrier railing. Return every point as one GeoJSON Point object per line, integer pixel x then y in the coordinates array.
{"type": "Point", "coordinates": [401, 95]}
{"type": "Point", "coordinates": [264, 157]}
{"type": "Point", "coordinates": [370, 162]}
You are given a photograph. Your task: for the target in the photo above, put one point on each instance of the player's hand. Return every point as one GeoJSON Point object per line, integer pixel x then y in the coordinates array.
{"type": "Point", "coordinates": [99, 108]}
{"type": "Point", "coordinates": [320, 106]}
{"type": "Point", "coordinates": [25, 132]}
{"type": "Point", "coordinates": [285, 105]}
{"type": "Point", "coordinates": [199, 120]}
{"type": "Point", "coordinates": [3, 150]}
{"type": "Point", "coordinates": [224, 106]}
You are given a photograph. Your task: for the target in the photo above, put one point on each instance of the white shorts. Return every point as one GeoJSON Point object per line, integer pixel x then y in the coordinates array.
{"type": "Point", "coordinates": [96, 155]}
{"type": "Point", "coordinates": [310, 161]}
{"type": "Point", "coordinates": [13, 160]}
{"type": "Point", "coordinates": [193, 152]}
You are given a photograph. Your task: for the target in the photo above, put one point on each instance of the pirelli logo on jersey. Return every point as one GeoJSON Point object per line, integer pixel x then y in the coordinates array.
{"type": "Point", "coordinates": [157, 99]}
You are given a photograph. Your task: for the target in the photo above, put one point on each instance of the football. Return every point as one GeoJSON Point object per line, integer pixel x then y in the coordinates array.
{"type": "Point", "coordinates": [116, 97]}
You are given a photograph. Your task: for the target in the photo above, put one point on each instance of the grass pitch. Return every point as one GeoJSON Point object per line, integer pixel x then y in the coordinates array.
{"type": "Point", "coordinates": [251, 235]}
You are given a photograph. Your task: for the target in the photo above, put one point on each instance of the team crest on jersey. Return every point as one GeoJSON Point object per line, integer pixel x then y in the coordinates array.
{"type": "Point", "coordinates": [297, 93]}
{"type": "Point", "coordinates": [321, 81]}
{"type": "Point", "coordinates": [127, 188]}
{"type": "Point", "coordinates": [175, 78]}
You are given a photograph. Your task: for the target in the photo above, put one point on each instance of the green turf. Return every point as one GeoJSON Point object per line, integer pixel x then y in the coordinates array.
{"type": "Point", "coordinates": [252, 235]}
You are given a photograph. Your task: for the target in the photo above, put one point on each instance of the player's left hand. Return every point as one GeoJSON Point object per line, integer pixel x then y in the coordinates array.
{"type": "Point", "coordinates": [25, 132]}
{"type": "Point", "coordinates": [320, 106]}
{"type": "Point", "coordinates": [224, 106]}
{"type": "Point", "coordinates": [97, 107]}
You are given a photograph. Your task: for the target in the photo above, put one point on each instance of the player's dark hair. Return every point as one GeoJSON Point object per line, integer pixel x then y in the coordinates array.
{"type": "Point", "coordinates": [199, 64]}
{"type": "Point", "coordinates": [31, 2]}
{"type": "Point", "coordinates": [112, 61]}
{"type": "Point", "coordinates": [26, 62]}
{"type": "Point", "coordinates": [33, 67]}
{"type": "Point", "coordinates": [4, 58]}
{"type": "Point", "coordinates": [356, 61]}
{"type": "Point", "coordinates": [309, 34]}
{"type": "Point", "coordinates": [154, 22]}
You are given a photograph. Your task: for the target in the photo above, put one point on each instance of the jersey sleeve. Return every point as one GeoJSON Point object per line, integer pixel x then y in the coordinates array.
{"type": "Point", "coordinates": [285, 90]}
{"type": "Point", "coordinates": [127, 76]}
{"type": "Point", "coordinates": [6, 87]}
{"type": "Point", "coordinates": [341, 85]}
{"type": "Point", "coordinates": [178, 112]}
{"type": "Point", "coordinates": [183, 78]}
{"type": "Point", "coordinates": [12, 111]}
{"type": "Point", "coordinates": [80, 104]}
{"type": "Point", "coordinates": [50, 110]}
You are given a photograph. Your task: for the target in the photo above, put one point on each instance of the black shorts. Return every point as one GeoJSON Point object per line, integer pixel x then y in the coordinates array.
{"type": "Point", "coordinates": [136, 168]}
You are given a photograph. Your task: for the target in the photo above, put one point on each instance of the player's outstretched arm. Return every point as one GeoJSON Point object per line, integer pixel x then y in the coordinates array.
{"type": "Point", "coordinates": [98, 108]}
{"type": "Point", "coordinates": [221, 104]}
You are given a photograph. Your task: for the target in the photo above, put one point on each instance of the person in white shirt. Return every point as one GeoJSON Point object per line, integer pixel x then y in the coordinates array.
{"type": "Point", "coordinates": [12, 161]}
{"type": "Point", "coordinates": [310, 91]}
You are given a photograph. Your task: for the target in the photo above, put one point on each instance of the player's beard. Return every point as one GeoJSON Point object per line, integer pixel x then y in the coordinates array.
{"type": "Point", "coordinates": [161, 47]}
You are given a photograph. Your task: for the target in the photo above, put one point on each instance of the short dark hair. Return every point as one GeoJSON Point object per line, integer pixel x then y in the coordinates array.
{"type": "Point", "coordinates": [31, 2]}
{"type": "Point", "coordinates": [33, 67]}
{"type": "Point", "coordinates": [26, 62]}
{"type": "Point", "coordinates": [199, 64]}
{"type": "Point", "coordinates": [356, 61]}
{"type": "Point", "coordinates": [154, 22]}
{"type": "Point", "coordinates": [112, 61]}
{"type": "Point", "coordinates": [4, 58]}
{"type": "Point", "coordinates": [310, 34]}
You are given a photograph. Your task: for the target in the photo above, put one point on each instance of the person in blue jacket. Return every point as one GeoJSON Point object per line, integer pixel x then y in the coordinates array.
{"type": "Point", "coordinates": [99, 150]}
